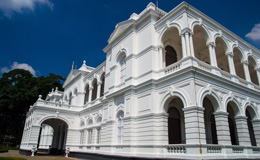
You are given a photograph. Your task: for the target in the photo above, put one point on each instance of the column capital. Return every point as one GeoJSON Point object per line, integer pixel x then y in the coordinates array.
{"type": "Point", "coordinates": [213, 44]}
{"type": "Point", "coordinates": [193, 108]}
{"type": "Point", "coordinates": [90, 88]}
{"type": "Point", "coordinates": [221, 113]}
{"type": "Point", "coordinates": [255, 121]}
{"type": "Point", "coordinates": [186, 31]}
{"type": "Point", "coordinates": [244, 62]}
{"type": "Point", "coordinates": [99, 83]}
{"type": "Point", "coordinates": [230, 53]}
{"type": "Point", "coordinates": [241, 118]}
{"type": "Point", "coordinates": [160, 47]}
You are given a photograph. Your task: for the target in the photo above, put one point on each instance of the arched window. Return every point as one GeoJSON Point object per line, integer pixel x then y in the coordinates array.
{"type": "Point", "coordinates": [238, 57]}
{"type": "Point", "coordinates": [90, 123]}
{"type": "Point", "coordinates": [201, 50]}
{"type": "Point", "coordinates": [99, 120]}
{"type": "Point", "coordinates": [120, 127]}
{"type": "Point", "coordinates": [232, 113]}
{"type": "Point", "coordinates": [170, 55]}
{"type": "Point", "coordinates": [222, 59]}
{"type": "Point", "coordinates": [173, 50]}
{"type": "Point", "coordinates": [70, 98]}
{"type": "Point", "coordinates": [252, 71]}
{"type": "Point", "coordinates": [122, 69]}
{"type": "Point", "coordinates": [250, 116]}
{"type": "Point", "coordinates": [86, 94]}
{"type": "Point", "coordinates": [176, 128]}
{"type": "Point", "coordinates": [94, 91]}
{"type": "Point", "coordinates": [102, 85]}
{"type": "Point", "coordinates": [210, 123]}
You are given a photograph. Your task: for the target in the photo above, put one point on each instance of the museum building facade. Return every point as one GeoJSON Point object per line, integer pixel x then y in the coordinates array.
{"type": "Point", "coordinates": [173, 85]}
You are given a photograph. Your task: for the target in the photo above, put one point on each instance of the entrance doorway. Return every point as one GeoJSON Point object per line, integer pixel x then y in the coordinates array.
{"type": "Point", "coordinates": [59, 136]}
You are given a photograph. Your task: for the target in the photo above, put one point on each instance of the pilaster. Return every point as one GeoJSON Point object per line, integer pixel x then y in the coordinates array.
{"type": "Point", "coordinates": [194, 125]}
{"type": "Point", "coordinates": [242, 131]}
{"type": "Point", "coordinates": [222, 127]}
{"type": "Point", "coordinates": [256, 129]}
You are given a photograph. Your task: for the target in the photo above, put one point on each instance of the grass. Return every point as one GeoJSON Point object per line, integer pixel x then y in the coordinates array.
{"type": "Point", "coordinates": [11, 158]}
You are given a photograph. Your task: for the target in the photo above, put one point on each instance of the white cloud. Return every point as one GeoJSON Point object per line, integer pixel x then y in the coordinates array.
{"type": "Point", "coordinates": [10, 6]}
{"type": "Point", "coordinates": [255, 33]}
{"type": "Point", "coordinates": [16, 65]}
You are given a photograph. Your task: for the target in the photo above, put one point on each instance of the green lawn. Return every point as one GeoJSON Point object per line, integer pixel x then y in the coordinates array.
{"type": "Point", "coordinates": [11, 158]}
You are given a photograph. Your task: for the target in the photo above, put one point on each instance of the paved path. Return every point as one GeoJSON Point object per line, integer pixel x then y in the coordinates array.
{"type": "Point", "coordinates": [15, 153]}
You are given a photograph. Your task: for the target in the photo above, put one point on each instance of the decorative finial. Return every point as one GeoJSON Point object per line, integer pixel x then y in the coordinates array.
{"type": "Point", "coordinates": [56, 90]}
{"type": "Point", "coordinates": [52, 90]}
{"type": "Point", "coordinates": [40, 96]}
{"type": "Point", "coordinates": [84, 62]}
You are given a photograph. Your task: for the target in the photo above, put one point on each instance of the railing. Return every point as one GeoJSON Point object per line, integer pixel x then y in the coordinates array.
{"type": "Point", "coordinates": [214, 149]}
{"type": "Point", "coordinates": [237, 149]}
{"type": "Point", "coordinates": [176, 149]}
{"type": "Point", "coordinates": [256, 150]}
{"type": "Point", "coordinates": [204, 66]}
{"type": "Point", "coordinates": [172, 68]}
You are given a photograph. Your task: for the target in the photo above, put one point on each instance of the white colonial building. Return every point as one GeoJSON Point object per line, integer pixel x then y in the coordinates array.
{"type": "Point", "coordinates": [174, 85]}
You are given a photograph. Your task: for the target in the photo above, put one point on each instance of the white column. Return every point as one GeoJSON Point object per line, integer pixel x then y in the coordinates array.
{"type": "Point", "coordinates": [187, 43]}
{"type": "Point", "coordinates": [98, 89]}
{"type": "Point", "coordinates": [183, 42]}
{"type": "Point", "coordinates": [90, 94]}
{"type": "Point", "coordinates": [212, 54]}
{"type": "Point", "coordinates": [222, 127]}
{"type": "Point", "coordinates": [191, 46]}
{"type": "Point", "coordinates": [242, 131]}
{"type": "Point", "coordinates": [231, 63]}
{"type": "Point", "coordinates": [258, 75]}
{"type": "Point", "coordinates": [256, 129]}
{"type": "Point", "coordinates": [246, 70]}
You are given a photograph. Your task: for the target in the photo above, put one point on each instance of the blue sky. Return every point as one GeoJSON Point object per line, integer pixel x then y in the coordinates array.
{"type": "Point", "coordinates": [46, 36]}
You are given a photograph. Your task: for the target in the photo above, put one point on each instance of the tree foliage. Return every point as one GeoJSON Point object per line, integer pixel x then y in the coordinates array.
{"type": "Point", "coordinates": [18, 90]}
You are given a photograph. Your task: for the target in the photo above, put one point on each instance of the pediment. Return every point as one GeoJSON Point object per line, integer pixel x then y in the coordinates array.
{"type": "Point", "coordinates": [73, 73]}
{"type": "Point", "coordinates": [120, 28]}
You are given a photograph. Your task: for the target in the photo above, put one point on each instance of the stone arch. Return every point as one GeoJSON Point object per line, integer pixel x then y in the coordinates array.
{"type": "Point", "coordinates": [235, 104]}
{"type": "Point", "coordinates": [54, 117]}
{"type": "Point", "coordinates": [99, 119]}
{"type": "Point", "coordinates": [252, 66]}
{"type": "Point", "coordinates": [251, 109]}
{"type": "Point", "coordinates": [200, 39]}
{"type": "Point", "coordinates": [60, 128]}
{"type": "Point", "coordinates": [212, 96]}
{"type": "Point", "coordinates": [82, 123]}
{"type": "Point", "coordinates": [238, 58]}
{"type": "Point", "coordinates": [169, 96]}
{"type": "Point", "coordinates": [172, 46]}
{"type": "Point", "coordinates": [221, 50]}
{"type": "Point", "coordinates": [173, 24]}
{"type": "Point", "coordinates": [121, 53]}
{"type": "Point", "coordinates": [90, 121]}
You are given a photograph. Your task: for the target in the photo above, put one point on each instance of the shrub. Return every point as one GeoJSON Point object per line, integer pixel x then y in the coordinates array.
{"type": "Point", "coordinates": [3, 150]}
